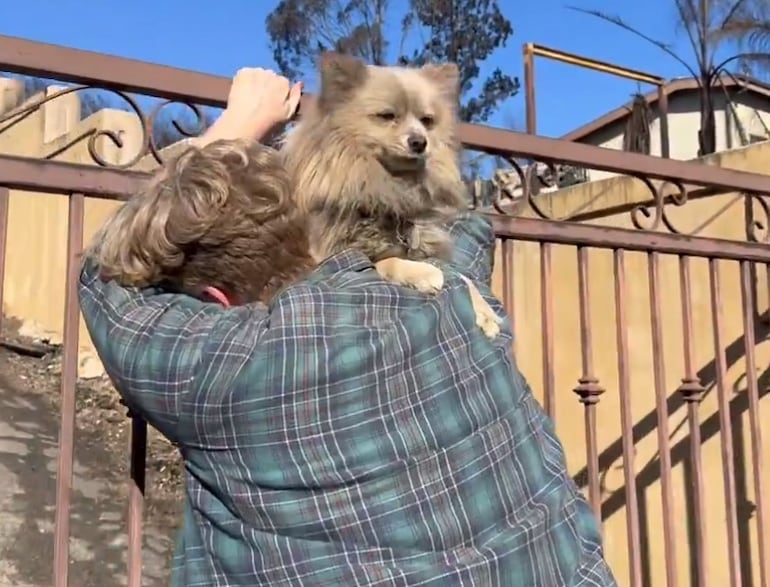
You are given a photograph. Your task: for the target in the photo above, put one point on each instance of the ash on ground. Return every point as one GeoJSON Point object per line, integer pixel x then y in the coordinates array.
{"type": "Point", "coordinates": [30, 399]}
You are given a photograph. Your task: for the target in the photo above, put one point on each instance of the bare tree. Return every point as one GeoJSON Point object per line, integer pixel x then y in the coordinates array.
{"type": "Point", "coordinates": [300, 29]}
{"type": "Point", "coordinates": [465, 32]}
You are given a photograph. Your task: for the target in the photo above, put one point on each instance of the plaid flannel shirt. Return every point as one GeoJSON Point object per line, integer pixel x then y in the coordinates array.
{"type": "Point", "coordinates": [353, 433]}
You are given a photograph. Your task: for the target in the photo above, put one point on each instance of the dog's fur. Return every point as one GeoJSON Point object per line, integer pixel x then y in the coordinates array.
{"type": "Point", "coordinates": [222, 215]}
{"type": "Point", "coordinates": [362, 184]}
{"type": "Point", "coordinates": [352, 167]}
{"type": "Point", "coordinates": [231, 216]}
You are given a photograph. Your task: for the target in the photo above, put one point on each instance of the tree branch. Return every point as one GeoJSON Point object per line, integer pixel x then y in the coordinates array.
{"type": "Point", "coordinates": [617, 21]}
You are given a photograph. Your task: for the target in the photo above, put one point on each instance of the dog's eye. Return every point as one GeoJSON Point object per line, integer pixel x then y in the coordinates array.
{"type": "Point", "coordinates": [427, 121]}
{"type": "Point", "coordinates": [386, 116]}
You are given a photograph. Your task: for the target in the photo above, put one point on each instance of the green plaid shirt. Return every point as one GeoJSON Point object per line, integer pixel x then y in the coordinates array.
{"type": "Point", "coordinates": [353, 433]}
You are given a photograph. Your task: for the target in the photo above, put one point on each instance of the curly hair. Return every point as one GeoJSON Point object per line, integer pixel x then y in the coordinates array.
{"type": "Point", "coordinates": [222, 215]}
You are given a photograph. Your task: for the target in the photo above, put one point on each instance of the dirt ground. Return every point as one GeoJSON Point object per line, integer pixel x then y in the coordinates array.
{"type": "Point", "coordinates": [29, 424]}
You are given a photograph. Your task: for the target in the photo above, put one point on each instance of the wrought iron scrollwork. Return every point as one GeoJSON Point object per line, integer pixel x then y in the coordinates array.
{"type": "Point", "coordinates": [526, 184]}
{"type": "Point", "coordinates": [757, 230]}
{"type": "Point", "coordinates": [534, 179]}
{"type": "Point", "coordinates": [659, 214]}
{"type": "Point", "coordinates": [200, 125]}
{"type": "Point", "coordinates": [522, 184]}
{"type": "Point", "coordinates": [148, 144]}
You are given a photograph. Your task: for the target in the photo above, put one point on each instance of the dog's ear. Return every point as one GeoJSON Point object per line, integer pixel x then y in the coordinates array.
{"type": "Point", "coordinates": [340, 75]}
{"type": "Point", "coordinates": [446, 77]}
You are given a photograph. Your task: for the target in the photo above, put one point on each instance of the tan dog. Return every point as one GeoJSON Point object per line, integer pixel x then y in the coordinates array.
{"type": "Point", "coordinates": [375, 162]}
{"type": "Point", "coordinates": [217, 222]}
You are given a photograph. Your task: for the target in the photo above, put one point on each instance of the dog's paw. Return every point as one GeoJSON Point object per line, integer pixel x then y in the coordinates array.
{"type": "Point", "coordinates": [486, 318]}
{"type": "Point", "coordinates": [426, 278]}
{"type": "Point", "coordinates": [423, 277]}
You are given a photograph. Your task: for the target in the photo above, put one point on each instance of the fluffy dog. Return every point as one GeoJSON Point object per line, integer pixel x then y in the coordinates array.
{"type": "Point", "coordinates": [375, 165]}
{"type": "Point", "coordinates": [218, 222]}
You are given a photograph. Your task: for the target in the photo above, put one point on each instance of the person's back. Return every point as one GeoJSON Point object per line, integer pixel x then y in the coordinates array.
{"type": "Point", "coordinates": [353, 432]}
{"type": "Point", "coordinates": [358, 433]}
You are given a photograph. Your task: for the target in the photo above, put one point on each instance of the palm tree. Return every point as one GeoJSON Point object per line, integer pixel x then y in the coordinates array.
{"type": "Point", "coordinates": [711, 27]}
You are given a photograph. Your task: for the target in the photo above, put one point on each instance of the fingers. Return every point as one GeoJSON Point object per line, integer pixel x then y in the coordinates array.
{"type": "Point", "coordinates": [292, 102]}
{"type": "Point", "coordinates": [264, 93]}
{"type": "Point", "coordinates": [262, 77]}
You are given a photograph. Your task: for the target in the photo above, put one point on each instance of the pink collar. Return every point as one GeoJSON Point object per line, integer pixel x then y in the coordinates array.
{"type": "Point", "coordinates": [216, 295]}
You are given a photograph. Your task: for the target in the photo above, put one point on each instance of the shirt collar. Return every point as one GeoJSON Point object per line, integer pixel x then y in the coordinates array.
{"type": "Point", "coordinates": [348, 260]}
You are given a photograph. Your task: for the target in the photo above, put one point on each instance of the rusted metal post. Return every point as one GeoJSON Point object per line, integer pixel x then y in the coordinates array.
{"type": "Point", "coordinates": [69, 375]}
{"type": "Point", "coordinates": [663, 121]}
{"type": "Point", "coordinates": [529, 88]}
{"type": "Point", "coordinates": [530, 50]}
{"type": "Point", "coordinates": [138, 452]}
{"type": "Point", "coordinates": [4, 203]}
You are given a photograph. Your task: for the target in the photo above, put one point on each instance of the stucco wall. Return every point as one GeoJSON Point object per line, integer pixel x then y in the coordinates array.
{"type": "Point", "coordinates": [37, 223]}
{"type": "Point", "coordinates": [715, 216]}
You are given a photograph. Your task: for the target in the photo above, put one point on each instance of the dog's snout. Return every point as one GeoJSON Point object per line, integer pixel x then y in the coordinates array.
{"type": "Point", "coordinates": [417, 143]}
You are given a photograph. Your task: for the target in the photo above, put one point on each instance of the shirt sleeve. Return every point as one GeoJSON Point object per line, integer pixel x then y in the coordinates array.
{"type": "Point", "coordinates": [474, 247]}
{"type": "Point", "coordinates": [153, 344]}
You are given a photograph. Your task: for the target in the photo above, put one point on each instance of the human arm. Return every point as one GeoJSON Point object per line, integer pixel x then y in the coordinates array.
{"type": "Point", "coordinates": [154, 344]}
{"type": "Point", "coordinates": [260, 101]}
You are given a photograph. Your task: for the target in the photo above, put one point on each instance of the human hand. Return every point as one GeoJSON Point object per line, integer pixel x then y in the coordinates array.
{"type": "Point", "coordinates": [260, 101]}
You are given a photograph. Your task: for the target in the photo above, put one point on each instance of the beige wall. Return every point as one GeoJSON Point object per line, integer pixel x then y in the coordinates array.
{"type": "Point", "coordinates": [37, 223]}
{"type": "Point", "coordinates": [718, 216]}
{"type": "Point", "coordinates": [749, 111]}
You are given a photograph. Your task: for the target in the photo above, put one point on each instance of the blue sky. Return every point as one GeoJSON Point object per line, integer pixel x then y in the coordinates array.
{"type": "Point", "coordinates": [219, 37]}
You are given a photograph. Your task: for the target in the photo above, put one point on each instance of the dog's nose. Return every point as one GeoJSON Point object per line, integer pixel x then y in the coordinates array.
{"type": "Point", "coordinates": [417, 144]}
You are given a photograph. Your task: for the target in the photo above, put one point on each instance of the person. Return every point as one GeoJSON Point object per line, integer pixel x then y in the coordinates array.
{"type": "Point", "coordinates": [349, 431]}
{"type": "Point", "coordinates": [218, 222]}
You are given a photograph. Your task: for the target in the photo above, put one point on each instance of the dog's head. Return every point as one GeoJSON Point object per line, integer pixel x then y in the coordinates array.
{"type": "Point", "coordinates": [404, 117]}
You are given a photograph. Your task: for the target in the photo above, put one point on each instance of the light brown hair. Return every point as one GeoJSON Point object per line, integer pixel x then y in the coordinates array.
{"type": "Point", "coordinates": [221, 215]}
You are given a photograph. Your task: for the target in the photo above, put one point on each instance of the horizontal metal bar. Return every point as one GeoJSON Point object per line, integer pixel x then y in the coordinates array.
{"type": "Point", "coordinates": [57, 177]}
{"type": "Point", "coordinates": [26, 57]}
{"type": "Point", "coordinates": [603, 237]}
{"type": "Point", "coordinates": [38, 175]}
{"type": "Point", "coordinates": [505, 142]}
{"type": "Point", "coordinates": [23, 56]}
{"type": "Point", "coordinates": [588, 62]}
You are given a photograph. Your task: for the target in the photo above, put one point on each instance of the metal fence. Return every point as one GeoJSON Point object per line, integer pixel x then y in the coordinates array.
{"type": "Point", "coordinates": [670, 184]}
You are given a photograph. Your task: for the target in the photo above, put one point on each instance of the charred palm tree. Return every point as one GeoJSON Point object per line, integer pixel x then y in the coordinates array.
{"type": "Point", "coordinates": [711, 26]}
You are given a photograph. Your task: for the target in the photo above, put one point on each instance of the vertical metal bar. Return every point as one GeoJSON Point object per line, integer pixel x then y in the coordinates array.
{"type": "Point", "coordinates": [69, 375]}
{"type": "Point", "coordinates": [508, 269]}
{"type": "Point", "coordinates": [752, 388]}
{"type": "Point", "coordinates": [588, 388]}
{"type": "Point", "coordinates": [136, 499]}
{"type": "Point", "coordinates": [692, 390]}
{"type": "Point", "coordinates": [5, 197]}
{"type": "Point", "coordinates": [767, 285]}
{"type": "Point", "coordinates": [661, 408]}
{"type": "Point", "coordinates": [529, 88]}
{"type": "Point", "coordinates": [627, 423]}
{"type": "Point", "coordinates": [546, 295]}
{"type": "Point", "coordinates": [663, 121]}
{"type": "Point", "coordinates": [725, 427]}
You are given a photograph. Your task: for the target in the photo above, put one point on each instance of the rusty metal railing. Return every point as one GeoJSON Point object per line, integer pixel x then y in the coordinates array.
{"type": "Point", "coordinates": [654, 237]}
{"type": "Point", "coordinates": [532, 50]}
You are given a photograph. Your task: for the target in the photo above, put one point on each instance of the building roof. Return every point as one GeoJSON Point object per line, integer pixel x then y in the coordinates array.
{"type": "Point", "coordinates": [675, 86]}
